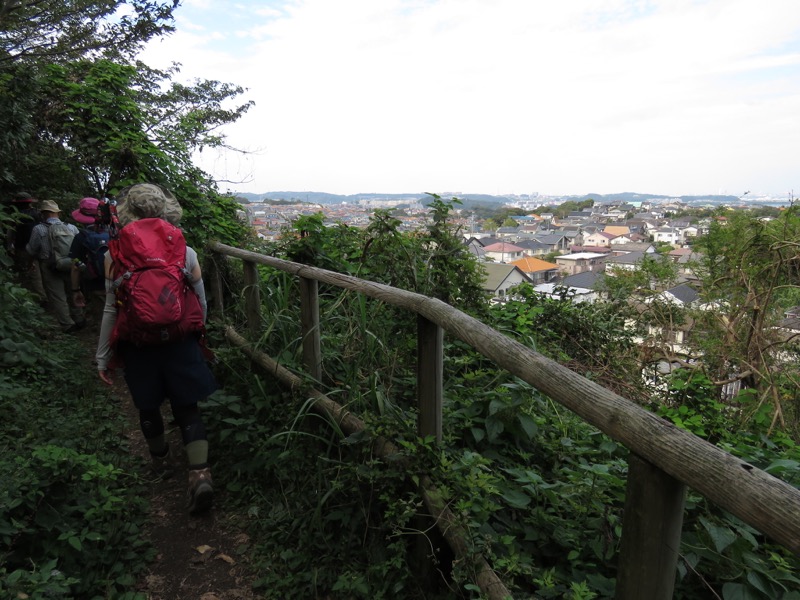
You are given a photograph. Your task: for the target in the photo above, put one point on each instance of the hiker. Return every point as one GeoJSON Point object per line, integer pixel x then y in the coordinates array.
{"type": "Point", "coordinates": [18, 237]}
{"type": "Point", "coordinates": [49, 245]}
{"type": "Point", "coordinates": [88, 251]}
{"type": "Point", "coordinates": [156, 369]}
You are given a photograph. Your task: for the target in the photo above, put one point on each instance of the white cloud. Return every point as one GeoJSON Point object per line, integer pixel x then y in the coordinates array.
{"type": "Point", "coordinates": [496, 96]}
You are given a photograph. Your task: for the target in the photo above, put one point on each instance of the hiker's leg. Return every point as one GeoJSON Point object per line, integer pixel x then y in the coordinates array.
{"type": "Point", "coordinates": [188, 379]}
{"type": "Point", "coordinates": [193, 432]}
{"type": "Point", "coordinates": [153, 430]}
{"type": "Point", "coordinates": [56, 298]}
{"type": "Point", "coordinates": [75, 312]}
{"type": "Point", "coordinates": [147, 392]}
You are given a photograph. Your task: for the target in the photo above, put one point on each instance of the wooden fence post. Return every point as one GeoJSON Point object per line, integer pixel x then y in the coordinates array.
{"type": "Point", "coordinates": [252, 294]}
{"type": "Point", "coordinates": [429, 378]}
{"type": "Point", "coordinates": [651, 533]}
{"type": "Point", "coordinates": [309, 318]}
{"type": "Point", "coordinates": [215, 281]}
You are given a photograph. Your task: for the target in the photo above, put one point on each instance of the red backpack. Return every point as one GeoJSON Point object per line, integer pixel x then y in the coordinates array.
{"type": "Point", "coordinates": [155, 300]}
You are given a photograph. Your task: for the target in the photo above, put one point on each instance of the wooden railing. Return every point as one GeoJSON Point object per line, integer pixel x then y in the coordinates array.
{"type": "Point", "coordinates": [664, 459]}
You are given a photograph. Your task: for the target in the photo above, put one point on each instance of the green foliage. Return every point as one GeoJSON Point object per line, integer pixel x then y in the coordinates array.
{"type": "Point", "coordinates": [91, 126]}
{"type": "Point", "coordinates": [591, 339]}
{"type": "Point", "coordinates": [690, 404]}
{"type": "Point", "coordinates": [313, 497]}
{"type": "Point", "coordinates": [71, 512]}
{"type": "Point", "coordinates": [654, 273]}
{"type": "Point", "coordinates": [54, 31]}
{"type": "Point", "coordinates": [750, 271]}
{"type": "Point", "coordinates": [540, 493]}
{"type": "Point", "coordinates": [563, 210]}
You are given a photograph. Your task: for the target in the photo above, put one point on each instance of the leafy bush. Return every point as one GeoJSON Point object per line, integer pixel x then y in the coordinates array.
{"type": "Point", "coordinates": [540, 492]}
{"type": "Point", "coordinates": [70, 508]}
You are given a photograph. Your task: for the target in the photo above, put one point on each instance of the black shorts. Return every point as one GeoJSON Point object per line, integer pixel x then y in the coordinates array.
{"type": "Point", "coordinates": [177, 371]}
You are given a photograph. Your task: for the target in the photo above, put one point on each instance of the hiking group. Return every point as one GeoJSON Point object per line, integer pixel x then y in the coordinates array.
{"type": "Point", "coordinates": [132, 253]}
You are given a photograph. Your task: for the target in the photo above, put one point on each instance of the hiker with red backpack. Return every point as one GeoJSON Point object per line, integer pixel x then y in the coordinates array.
{"type": "Point", "coordinates": [49, 245]}
{"type": "Point", "coordinates": [153, 327]}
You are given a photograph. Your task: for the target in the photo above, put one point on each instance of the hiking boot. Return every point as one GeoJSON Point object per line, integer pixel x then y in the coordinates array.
{"type": "Point", "coordinates": [75, 327]}
{"type": "Point", "coordinates": [201, 492]}
{"type": "Point", "coordinates": [163, 466]}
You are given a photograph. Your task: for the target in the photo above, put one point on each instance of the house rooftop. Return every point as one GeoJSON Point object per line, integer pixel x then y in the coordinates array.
{"type": "Point", "coordinates": [532, 265]}
{"type": "Point", "coordinates": [581, 256]}
{"type": "Point", "coordinates": [503, 247]}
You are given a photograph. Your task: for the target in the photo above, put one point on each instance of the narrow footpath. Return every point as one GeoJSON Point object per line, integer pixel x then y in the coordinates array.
{"type": "Point", "coordinates": [198, 558]}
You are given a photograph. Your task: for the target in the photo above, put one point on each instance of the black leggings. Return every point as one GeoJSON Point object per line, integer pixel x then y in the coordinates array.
{"type": "Point", "coordinates": [187, 417]}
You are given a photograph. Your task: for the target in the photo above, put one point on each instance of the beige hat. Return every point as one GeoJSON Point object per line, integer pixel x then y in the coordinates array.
{"type": "Point", "coordinates": [147, 201]}
{"type": "Point", "coordinates": [49, 205]}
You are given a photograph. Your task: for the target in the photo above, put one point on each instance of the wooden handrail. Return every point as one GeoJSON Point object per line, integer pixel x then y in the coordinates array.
{"type": "Point", "coordinates": [448, 524]}
{"type": "Point", "coordinates": [757, 498]}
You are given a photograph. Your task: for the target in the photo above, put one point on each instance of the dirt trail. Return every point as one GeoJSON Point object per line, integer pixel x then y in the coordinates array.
{"type": "Point", "coordinates": [198, 558]}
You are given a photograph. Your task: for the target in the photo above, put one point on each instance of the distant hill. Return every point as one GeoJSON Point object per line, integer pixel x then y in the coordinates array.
{"type": "Point", "coordinates": [473, 199]}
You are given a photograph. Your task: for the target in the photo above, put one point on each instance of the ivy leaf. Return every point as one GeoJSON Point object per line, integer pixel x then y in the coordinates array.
{"type": "Point", "coordinates": [516, 498]}
{"type": "Point", "coordinates": [738, 591]}
{"type": "Point", "coordinates": [721, 536]}
{"type": "Point", "coordinates": [528, 425]}
{"type": "Point", "coordinates": [780, 465]}
{"type": "Point", "coordinates": [494, 427]}
{"type": "Point", "coordinates": [757, 582]}
{"type": "Point", "coordinates": [478, 434]}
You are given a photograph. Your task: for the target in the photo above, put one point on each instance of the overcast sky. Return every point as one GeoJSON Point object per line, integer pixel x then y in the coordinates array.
{"type": "Point", "coordinates": [669, 97]}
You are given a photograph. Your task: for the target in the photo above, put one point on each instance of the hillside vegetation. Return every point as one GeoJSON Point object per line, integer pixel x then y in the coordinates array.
{"type": "Point", "coordinates": [539, 492]}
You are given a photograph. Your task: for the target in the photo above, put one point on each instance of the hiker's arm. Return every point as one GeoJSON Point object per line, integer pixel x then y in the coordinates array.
{"type": "Point", "coordinates": [193, 264]}
{"type": "Point", "coordinates": [103, 354]}
{"type": "Point", "coordinates": [34, 246]}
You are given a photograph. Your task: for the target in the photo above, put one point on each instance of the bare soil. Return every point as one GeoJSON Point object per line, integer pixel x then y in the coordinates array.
{"type": "Point", "coordinates": [200, 557]}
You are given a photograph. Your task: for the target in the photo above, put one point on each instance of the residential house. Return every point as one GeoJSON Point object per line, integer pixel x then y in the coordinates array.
{"type": "Point", "coordinates": [503, 252]}
{"type": "Point", "coordinates": [534, 248]}
{"type": "Point", "coordinates": [476, 248]}
{"type": "Point", "coordinates": [500, 278]}
{"type": "Point", "coordinates": [578, 216]}
{"type": "Point", "coordinates": [581, 287]}
{"type": "Point", "coordinates": [596, 249]}
{"type": "Point", "coordinates": [570, 264]}
{"type": "Point", "coordinates": [506, 233]}
{"type": "Point", "coordinates": [539, 271]}
{"type": "Point", "coordinates": [599, 239]}
{"type": "Point", "coordinates": [617, 230]}
{"type": "Point", "coordinates": [621, 240]}
{"type": "Point", "coordinates": [682, 294]}
{"type": "Point", "coordinates": [790, 324]}
{"type": "Point", "coordinates": [558, 242]}
{"type": "Point", "coordinates": [637, 226]}
{"type": "Point", "coordinates": [668, 235]}
{"type": "Point", "coordinates": [628, 261]}
{"type": "Point", "coordinates": [624, 248]}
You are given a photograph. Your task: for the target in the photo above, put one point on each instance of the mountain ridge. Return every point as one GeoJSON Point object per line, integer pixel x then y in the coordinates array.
{"type": "Point", "coordinates": [424, 198]}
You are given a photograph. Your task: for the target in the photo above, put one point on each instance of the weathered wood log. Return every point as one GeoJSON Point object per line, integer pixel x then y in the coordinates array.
{"type": "Point", "coordinates": [759, 499]}
{"type": "Point", "coordinates": [485, 578]}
